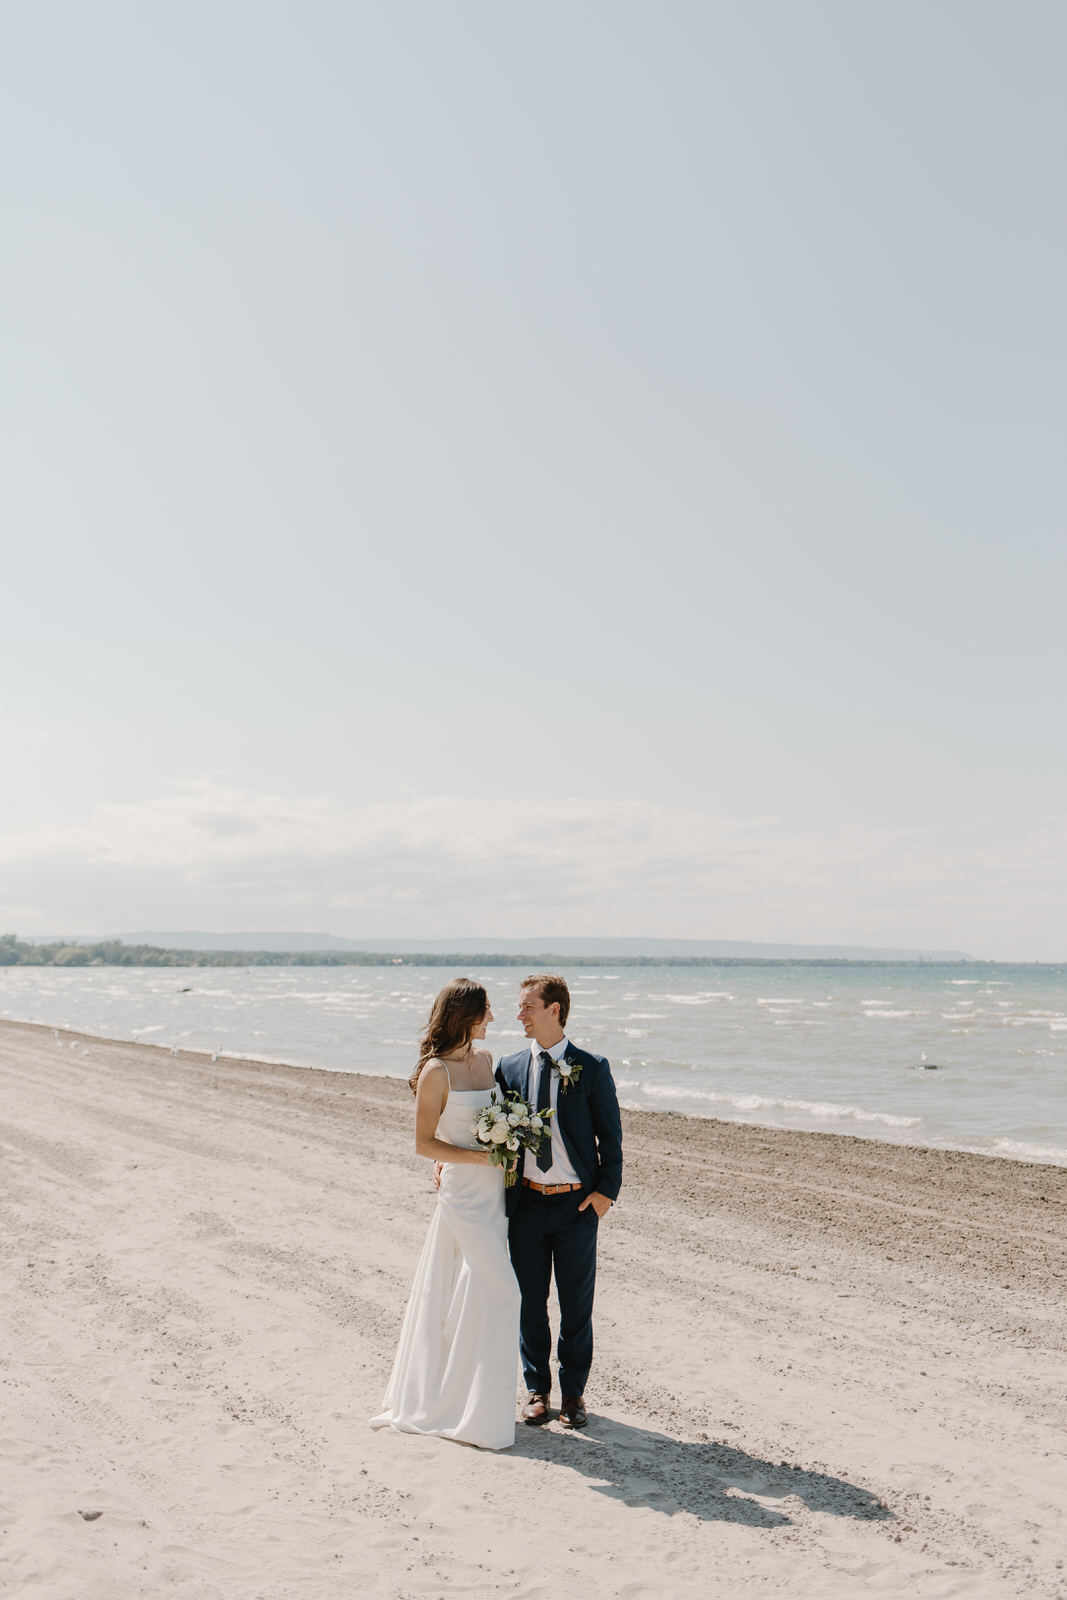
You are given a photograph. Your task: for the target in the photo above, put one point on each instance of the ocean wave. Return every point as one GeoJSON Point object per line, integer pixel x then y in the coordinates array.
{"type": "Point", "coordinates": [1020, 1150]}
{"type": "Point", "coordinates": [747, 1108]}
{"type": "Point", "coordinates": [827, 1109]}
{"type": "Point", "coordinates": [894, 1013]}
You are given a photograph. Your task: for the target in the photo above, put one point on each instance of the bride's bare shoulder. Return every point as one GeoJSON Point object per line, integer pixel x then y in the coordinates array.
{"type": "Point", "coordinates": [486, 1055]}
{"type": "Point", "coordinates": [434, 1072]}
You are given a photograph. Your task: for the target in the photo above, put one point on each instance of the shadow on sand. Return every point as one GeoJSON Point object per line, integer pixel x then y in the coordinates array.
{"type": "Point", "coordinates": [716, 1482]}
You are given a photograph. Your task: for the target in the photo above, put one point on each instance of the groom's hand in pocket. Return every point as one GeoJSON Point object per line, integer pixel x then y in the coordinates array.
{"type": "Point", "coordinates": [599, 1202]}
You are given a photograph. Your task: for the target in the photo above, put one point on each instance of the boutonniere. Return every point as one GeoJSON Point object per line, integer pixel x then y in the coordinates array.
{"type": "Point", "coordinates": [569, 1070]}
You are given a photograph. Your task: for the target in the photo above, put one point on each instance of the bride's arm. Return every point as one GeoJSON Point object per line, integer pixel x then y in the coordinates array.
{"type": "Point", "coordinates": [430, 1099]}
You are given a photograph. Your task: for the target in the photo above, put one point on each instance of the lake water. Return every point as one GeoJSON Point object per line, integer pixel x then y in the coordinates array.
{"type": "Point", "coordinates": [840, 1049]}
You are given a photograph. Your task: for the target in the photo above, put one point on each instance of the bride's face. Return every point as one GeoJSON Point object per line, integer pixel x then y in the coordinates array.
{"type": "Point", "coordinates": [479, 1032]}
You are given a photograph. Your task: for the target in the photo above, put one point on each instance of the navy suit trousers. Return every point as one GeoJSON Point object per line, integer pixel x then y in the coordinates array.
{"type": "Point", "coordinates": [548, 1234]}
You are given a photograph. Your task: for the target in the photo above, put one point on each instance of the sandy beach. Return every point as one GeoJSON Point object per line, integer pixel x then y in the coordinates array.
{"type": "Point", "coordinates": [825, 1366]}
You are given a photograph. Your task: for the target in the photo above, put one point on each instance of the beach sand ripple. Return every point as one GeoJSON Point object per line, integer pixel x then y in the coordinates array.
{"type": "Point", "coordinates": [825, 1367]}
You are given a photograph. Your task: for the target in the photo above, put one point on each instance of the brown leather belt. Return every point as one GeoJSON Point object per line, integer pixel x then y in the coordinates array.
{"type": "Point", "coordinates": [550, 1188]}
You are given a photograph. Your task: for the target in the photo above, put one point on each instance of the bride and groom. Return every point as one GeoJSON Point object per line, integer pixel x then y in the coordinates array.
{"type": "Point", "coordinates": [481, 1287]}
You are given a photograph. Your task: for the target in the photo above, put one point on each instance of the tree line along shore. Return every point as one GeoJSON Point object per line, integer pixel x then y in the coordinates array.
{"type": "Point", "coordinates": [16, 952]}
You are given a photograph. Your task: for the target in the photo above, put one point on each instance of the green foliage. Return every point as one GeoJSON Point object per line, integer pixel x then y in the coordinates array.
{"type": "Point", "coordinates": [73, 955]}
{"type": "Point", "coordinates": [113, 953]}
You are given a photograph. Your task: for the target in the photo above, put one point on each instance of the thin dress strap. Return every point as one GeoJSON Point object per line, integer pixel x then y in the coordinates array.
{"type": "Point", "coordinates": [448, 1075]}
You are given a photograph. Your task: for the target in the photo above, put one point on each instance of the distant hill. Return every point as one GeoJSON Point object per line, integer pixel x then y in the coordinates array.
{"type": "Point", "coordinates": [731, 949]}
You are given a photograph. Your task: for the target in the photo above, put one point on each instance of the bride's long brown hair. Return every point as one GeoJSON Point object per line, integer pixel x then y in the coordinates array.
{"type": "Point", "coordinates": [454, 1015]}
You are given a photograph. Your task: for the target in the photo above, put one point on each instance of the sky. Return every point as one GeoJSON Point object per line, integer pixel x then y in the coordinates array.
{"type": "Point", "coordinates": [573, 468]}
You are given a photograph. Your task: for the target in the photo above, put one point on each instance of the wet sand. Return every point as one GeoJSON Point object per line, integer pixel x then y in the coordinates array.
{"type": "Point", "coordinates": [825, 1366]}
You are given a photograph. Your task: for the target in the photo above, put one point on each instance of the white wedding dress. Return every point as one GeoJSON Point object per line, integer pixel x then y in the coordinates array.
{"type": "Point", "coordinates": [456, 1367]}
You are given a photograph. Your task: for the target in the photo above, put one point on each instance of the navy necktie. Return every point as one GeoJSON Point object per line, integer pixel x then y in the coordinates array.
{"type": "Point", "coordinates": [544, 1101]}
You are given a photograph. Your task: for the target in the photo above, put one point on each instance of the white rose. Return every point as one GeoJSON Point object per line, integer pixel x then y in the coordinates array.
{"type": "Point", "coordinates": [483, 1134]}
{"type": "Point", "coordinates": [536, 1124]}
{"type": "Point", "coordinates": [513, 1144]}
{"type": "Point", "coordinates": [513, 1119]}
{"type": "Point", "coordinates": [564, 1069]}
{"type": "Point", "coordinates": [500, 1133]}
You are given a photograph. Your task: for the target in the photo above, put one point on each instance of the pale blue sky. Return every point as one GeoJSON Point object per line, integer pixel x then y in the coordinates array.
{"type": "Point", "coordinates": [651, 410]}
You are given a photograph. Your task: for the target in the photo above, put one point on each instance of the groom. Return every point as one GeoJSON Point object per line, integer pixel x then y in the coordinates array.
{"type": "Point", "coordinates": [555, 1207]}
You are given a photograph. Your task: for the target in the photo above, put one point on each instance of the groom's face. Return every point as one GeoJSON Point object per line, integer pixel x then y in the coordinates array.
{"type": "Point", "coordinates": [539, 1021]}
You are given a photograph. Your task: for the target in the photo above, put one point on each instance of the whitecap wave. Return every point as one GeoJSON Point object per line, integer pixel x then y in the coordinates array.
{"type": "Point", "coordinates": [826, 1109]}
{"type": "Point", "coordinates": [1019, 1150]}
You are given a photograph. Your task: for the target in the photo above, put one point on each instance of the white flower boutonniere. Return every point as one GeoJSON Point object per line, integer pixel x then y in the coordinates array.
{"type": "Point", "coordinates": [569, 1071]}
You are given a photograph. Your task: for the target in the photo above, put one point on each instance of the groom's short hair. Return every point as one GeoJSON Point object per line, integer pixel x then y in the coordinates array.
{"type": "Point", "coordinates": [552, 988]}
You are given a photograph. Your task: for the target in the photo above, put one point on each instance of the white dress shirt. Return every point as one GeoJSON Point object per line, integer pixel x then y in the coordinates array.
{"type": "Point", "coordinates": [561, 1170]}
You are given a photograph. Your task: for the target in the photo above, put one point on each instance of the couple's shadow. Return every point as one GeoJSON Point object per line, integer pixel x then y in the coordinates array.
{"type": "Point", "coordinates": [714, 1481]}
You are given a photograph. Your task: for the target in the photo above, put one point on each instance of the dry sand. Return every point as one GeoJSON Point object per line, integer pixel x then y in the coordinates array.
{"type": "Point", "coordinates": [825, 1366]}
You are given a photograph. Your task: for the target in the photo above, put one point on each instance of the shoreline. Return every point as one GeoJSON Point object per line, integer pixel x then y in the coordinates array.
{"type": "Point", "coordinates": [826, 1365]}
{"type": "Point", "coordinates": [84, 1036]}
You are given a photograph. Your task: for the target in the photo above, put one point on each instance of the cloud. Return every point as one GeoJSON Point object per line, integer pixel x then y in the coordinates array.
{"type": "Point", "coordinates": [211, 856]}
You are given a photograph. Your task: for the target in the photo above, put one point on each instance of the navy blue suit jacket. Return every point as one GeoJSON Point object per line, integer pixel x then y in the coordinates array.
{"type": "Point", "coordinates": [587, 1119]}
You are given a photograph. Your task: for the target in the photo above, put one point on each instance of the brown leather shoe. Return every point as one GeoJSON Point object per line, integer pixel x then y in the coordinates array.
{"type": "Point", "coordinates": [535, 1409]}
{"type": "Point", "coordinates": [572, 1411]}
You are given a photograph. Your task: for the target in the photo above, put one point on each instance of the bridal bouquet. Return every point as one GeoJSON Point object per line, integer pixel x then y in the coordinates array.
{"type": "Point", "coordinates": [510, 1127]}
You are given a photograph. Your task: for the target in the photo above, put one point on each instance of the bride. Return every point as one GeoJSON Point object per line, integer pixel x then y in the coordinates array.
{"type": "Point", "coordinates": [455, 1371]}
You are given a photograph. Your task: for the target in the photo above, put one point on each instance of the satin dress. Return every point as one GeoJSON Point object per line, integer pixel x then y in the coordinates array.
{"type": "Point", "coordinates": [456, 1367]}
